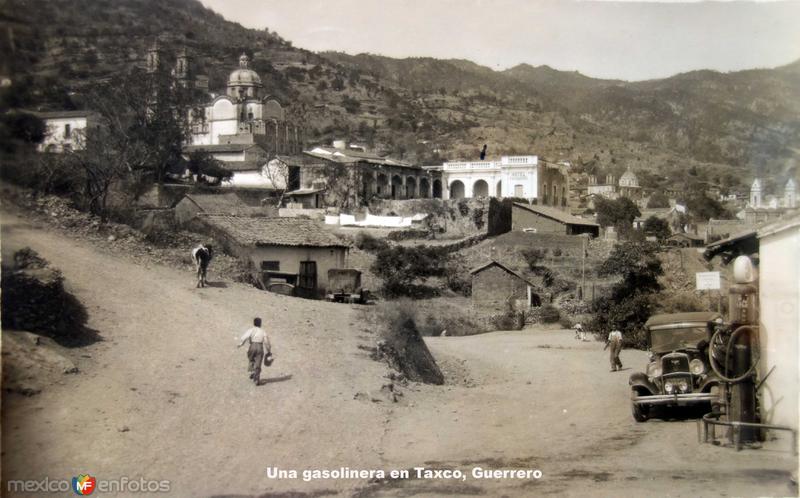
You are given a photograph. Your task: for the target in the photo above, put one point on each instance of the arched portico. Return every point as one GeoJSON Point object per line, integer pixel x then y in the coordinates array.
{"type": "Point", "coordinates": [437, 189]}
{"type": "Point", "coordinates": [382, 185]}
{"type": "Point", "coordinates": [457, 189]}
{"type": "Point", "coordinates": [480, 189]}
{"type": "Point", "coordinates": [424, 188]}
{"type": "Point", "coordinates": [397, 187]}
{"type": "Point", "coordinates": [411, 187]}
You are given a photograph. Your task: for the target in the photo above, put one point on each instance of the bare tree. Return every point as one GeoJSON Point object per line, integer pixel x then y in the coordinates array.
{"type": "Point", "coordinates": [277, 172]}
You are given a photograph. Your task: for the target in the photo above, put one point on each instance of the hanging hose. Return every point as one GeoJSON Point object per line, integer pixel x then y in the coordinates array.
{"type": "Point", "coordinates": [731, 341]}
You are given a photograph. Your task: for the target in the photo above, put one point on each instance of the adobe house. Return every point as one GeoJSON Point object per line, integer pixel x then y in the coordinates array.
{"type": "Point", "coordinates": [546, 219]}
{"type": "Point", "coordinates": [496, 287]}
{"type": "Point", "coordinates": [293, 251]}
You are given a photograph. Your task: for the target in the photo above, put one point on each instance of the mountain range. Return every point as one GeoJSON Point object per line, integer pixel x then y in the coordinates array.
{"type": "Point", "coordinates": [724, 128]}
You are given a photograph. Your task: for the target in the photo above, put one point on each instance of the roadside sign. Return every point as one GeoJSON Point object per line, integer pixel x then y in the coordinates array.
{"type": "Point", "coordinates": [707, 280]}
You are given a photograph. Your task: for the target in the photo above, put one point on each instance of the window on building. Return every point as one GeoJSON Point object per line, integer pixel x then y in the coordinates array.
{"type": "Point", "coordinates": [519, 191]}
{"type": "Point", "coordinates": [271, 266]}
{"type": "Point", "coordinates": [308, 275]}
{"type": "Point", "coordinates": [67, 130]}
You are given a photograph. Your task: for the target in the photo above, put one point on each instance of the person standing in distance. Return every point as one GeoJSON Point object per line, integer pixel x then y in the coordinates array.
{"type": "Point", "coordinates": [259, 346]}
{"type": "Point", "coordinates": [615, 341]}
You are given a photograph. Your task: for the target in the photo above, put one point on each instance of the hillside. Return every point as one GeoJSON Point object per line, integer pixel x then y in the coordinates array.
{"type": "Point", "coordinates": [730, 125]}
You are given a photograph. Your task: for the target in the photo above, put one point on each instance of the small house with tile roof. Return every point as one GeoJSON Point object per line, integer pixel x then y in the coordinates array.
{"type": "Point", "coordinates": [229, 203]}
{"type": "Point", "coordinates": [293, 251]}
{"type": "Point", "coordinates": [497, 287]}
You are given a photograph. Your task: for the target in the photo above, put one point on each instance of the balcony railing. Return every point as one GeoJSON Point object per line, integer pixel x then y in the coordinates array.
{"type": "Point", "coordinates": [504, 161]}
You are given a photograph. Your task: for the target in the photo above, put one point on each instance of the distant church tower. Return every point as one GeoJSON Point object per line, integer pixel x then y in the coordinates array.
{"type": "Point", "coordinates": [755, 193]}
{"type": "Point", "coordinates": [154, 59]}
{"type": "Point", "coordinates": [183, 67]}
{"type": "Point", "coordinates": [790, 194]}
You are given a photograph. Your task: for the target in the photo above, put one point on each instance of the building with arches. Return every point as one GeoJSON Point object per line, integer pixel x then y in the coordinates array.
{"type": "Point", "coordinates": [346, 176]}
{"type": "Point", "coordinates": [525, 177]}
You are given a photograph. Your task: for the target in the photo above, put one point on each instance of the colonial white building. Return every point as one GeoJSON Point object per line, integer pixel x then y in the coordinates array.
{"type": "Point", "coordinates": [66, 130]}
{"type": "Point", "coordinates": [244, 115]}
{"type": "Point", "coordinates": [512, 176]}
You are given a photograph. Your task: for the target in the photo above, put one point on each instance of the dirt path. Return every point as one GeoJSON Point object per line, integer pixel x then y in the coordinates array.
{"type": "Point", "coordinates": [168, 370]}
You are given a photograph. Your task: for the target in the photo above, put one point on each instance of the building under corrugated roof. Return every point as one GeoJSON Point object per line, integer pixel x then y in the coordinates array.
{"type": "Point", "coordinates": [546, 219]}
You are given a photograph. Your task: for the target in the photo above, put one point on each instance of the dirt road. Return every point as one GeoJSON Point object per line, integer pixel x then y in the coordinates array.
{"type": "Point", "coordinates": [165, 395]}
{"type": "Point", "coordinates": [168, 371]}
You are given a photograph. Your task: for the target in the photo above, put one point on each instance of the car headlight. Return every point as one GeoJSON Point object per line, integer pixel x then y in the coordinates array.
{"type": "Point", "coordinates": [697, 367]}
{"type": "Point", "coordinates": [654, 369]}
{"type": "Point", "coordinates": [683, 386]}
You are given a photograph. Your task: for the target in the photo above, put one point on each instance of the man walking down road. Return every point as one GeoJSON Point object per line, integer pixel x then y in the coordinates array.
{"type": "Point", "coordinates": [259, 346]}
{"type": "Point", "coordinates": [615, 341]}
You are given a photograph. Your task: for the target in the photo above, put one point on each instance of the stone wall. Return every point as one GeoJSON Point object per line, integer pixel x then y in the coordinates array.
{"type": "Point", "coordinates": [455, 217]}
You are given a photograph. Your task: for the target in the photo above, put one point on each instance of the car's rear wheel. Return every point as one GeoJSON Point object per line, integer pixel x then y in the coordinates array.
{"type": "Point", "coordinates": [640, 412]}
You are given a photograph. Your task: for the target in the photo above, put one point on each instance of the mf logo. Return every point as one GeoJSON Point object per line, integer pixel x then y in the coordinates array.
{"type": "Point", "coordinates": [84, 484]}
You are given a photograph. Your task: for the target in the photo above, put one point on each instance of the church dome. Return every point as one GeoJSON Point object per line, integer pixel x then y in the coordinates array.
{"type": "Point", "coordinates": [244, 77]}
{"type": "Point", "coordinates": [628, 179]}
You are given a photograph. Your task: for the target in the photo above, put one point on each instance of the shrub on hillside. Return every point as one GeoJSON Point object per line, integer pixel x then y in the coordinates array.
{"type": "Point", "coordinates": [367, 242]}
{"type": "Point", "coordinates": [509, 320]}
{"type": "Point", "coordinates": [400, 267]}
{"type": "Point", "coordinates": [550, 314]}
{"type": "Point", "coordinates": [458, 281]}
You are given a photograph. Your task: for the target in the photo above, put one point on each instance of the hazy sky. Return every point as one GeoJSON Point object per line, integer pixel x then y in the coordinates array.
{"type": "Point", "coordinates": [609, 39]}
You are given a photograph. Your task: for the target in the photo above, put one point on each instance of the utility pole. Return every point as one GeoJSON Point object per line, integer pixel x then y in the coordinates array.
{"type": "Point", "coordinates": [583, 266]}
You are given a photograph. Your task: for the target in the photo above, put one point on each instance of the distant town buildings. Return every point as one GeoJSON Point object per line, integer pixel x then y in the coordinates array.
{"type": "Point", "coordinates": [759, 201]}
{"type": "Point", "coordinates": [66, 130]}
{"type": "Point", "coordinates": [627, 186]}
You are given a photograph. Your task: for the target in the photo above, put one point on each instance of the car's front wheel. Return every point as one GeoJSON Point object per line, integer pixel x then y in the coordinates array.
{"type": "Point", "coordinates": [640, 412]}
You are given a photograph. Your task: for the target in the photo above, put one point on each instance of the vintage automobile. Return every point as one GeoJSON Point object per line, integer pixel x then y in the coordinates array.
{"type": "Point", "coordinates": [679, 373]}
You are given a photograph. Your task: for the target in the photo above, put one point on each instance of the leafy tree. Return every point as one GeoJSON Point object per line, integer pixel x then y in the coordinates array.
{"type": "Point", "coordinates": [203, 163]}
{"type": "Point", "coordinates": [658, 200]}
{"type": "Point", "coordinates": [657, 227]}
{"type": "Point", "coordinates": [20, 129]}
{"type": "Point", "coordinates": [401, 266]}
{"type": "Point", "coordinates": [703, 208]}
{"type": "Point", "coordinates": [621, 211]}
{"type": "Point", "coordinates": [633, 299]}
{"type": "Point", "coordinates": [638, 265]}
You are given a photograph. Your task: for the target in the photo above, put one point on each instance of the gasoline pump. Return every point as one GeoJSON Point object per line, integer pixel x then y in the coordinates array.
{"type": "Point", "coordinates": [733, 352]}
